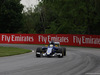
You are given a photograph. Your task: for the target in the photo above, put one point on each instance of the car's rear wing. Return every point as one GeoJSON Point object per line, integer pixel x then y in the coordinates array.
{"type": "Point", "coordinates": [56, 43]}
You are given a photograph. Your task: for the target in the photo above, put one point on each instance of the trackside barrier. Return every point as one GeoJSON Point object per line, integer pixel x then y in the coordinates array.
{"type": "Point", "coordinates": [64, 39]}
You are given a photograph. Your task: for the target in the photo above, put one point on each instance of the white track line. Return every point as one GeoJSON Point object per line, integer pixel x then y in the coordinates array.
{"type": "Point", "coordinates": [32, 50]}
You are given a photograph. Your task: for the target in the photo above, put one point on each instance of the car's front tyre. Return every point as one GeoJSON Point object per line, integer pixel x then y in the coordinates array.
{"type": "Point", "coordinates": [60, 53]}
{"type": "Point", "coordinates": [38, 52]}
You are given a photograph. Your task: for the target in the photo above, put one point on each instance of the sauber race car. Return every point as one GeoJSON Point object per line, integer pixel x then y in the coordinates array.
{"type": "Point", "coordinates": [51, 50]}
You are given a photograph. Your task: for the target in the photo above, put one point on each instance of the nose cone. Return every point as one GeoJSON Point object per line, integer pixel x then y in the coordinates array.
{"type": "Point", "coordinates": [49, 51]}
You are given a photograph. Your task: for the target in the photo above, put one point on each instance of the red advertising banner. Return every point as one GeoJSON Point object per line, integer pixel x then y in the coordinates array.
{"type": "Point", "coordinates": [64, 39]}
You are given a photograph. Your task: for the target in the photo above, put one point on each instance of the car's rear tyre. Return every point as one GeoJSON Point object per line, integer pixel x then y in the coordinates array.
{"type": "Point", "coordinates": [64, 51]}
{"type": "Point", "coordinates": [38, 52]}
{"type": "Point", "coordinates": [60, 52]}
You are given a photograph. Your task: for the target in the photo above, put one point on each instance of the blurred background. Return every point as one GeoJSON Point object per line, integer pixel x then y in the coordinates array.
{"type": "Point", "coordinates": [50, 16]}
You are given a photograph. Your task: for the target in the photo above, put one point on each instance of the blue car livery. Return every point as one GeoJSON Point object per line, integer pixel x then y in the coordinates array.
{"type": "Point", "coordinates": [52, 50]}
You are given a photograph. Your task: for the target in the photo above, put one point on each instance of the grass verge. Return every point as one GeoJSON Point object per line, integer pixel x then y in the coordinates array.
{"type": "Point", "coordinates": [9, 51]}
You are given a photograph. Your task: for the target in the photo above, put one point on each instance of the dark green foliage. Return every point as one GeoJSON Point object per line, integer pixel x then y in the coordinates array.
{"type": "Point", "coordinates": [66, 17]}
{"type": "Point", "coordinates": [52, 17]}
{"type": "Point", "coordinates": [11, 16]}
{"type": "Point", "coordinates": [74, 17]}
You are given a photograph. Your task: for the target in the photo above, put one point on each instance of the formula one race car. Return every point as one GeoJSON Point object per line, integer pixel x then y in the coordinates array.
{"type": "Point", "coordinates": [51, 50]}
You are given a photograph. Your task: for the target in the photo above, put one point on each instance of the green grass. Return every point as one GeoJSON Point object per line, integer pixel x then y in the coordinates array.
{"type": "Point", "coordinates": [9, 51]}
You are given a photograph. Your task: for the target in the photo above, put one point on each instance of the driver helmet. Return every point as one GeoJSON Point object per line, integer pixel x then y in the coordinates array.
{"type": "Point", "coordinates": [51, 45]}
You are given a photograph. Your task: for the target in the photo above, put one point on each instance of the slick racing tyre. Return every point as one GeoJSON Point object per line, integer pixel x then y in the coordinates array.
{"type": "Point", "coordinates": [60, 53]}
{"type": "Point", "coordinates": [64, 51]}
{"type": "Point", "coordinates": [38, 52]}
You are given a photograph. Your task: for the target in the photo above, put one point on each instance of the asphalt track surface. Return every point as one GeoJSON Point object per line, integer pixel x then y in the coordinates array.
{"type": "Point", "coordinates": [79, 61]}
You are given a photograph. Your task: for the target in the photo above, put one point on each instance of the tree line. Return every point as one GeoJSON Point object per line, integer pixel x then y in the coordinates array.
{"type": "Point", "coordinates": [51, 17]}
